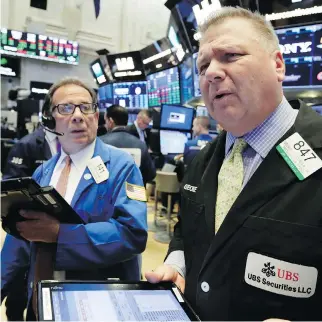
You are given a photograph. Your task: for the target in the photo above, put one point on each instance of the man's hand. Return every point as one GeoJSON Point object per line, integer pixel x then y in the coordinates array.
{"type": "Point", "coordinates": [40, 227]}
{"type": "Point", "coordinates": [166, 273]}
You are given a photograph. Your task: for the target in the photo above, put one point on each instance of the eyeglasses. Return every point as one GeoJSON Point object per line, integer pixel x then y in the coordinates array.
{"type": "Point", "coordinates": [68, 109]}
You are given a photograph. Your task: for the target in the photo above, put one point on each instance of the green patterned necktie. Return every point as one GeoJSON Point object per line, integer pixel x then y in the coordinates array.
{"type": "Point", "coordinates": [230, 181]}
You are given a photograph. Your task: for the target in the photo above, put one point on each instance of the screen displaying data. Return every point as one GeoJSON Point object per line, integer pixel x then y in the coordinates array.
{"type": "Point", "coordinates": [87, 302]}
{"type": "Point", "coordinates": [173, 142]}
{"type": "Point", "coordinates": [130, 94]}
{"type": "Point", "coordinates": [31, 45]}
{"type": "Point", "coordinates": [176, 117]}
{"type": "Point", "coordinates": [302, 52]}
{"type": "Point", "coordinates": [105, 96]}
{"type": "Point", "coordinates": [186, 80]}
{"type": "Point", "coordinates": [195, 76]}
{"type": "Point", "coordinates": [164, 87]}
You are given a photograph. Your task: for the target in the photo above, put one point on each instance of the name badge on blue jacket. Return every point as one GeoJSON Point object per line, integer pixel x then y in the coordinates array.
{"type": "Point", "coordinates": [98, 169]}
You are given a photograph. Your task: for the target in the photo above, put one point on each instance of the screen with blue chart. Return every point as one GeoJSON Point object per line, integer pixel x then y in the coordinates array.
{"type": "Point", "coordinates": [176, 117]}
{"type": "Point", "coordinates": [130, 94]}
{"type": "Point", "coordinates": [164, 87]}
{"type": "Point", "coordinates": [302, 51]}
{"type": "Point", "coordinates": [105, 96]}
{"type": "Point", "coordinates": [186, 80]}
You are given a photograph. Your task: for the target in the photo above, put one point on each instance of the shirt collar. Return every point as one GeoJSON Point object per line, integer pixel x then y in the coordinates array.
{"type": "Point", "coordinates": [263, 138]}
{"type": "Point", "coordinates": [81, 158]}
{"type": "Point", "coordinates": [137, 127]}
{"type": "Point", "coordinates": [50, 136]}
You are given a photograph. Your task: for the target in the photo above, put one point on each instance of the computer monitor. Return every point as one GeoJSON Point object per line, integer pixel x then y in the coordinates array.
{"type": "Point", "coordinates": [176, 117]}
{"type": "Point", "coordinates": [302, 52]}
{"type": "Point", "coordinates": [98, 72]}
{"type": "Point", "coordinates": [186, 80]}
{"type": "Point", "coordinates": [131, 94]}
{"type": "Point", "coordinates": [164, 87]}
{"type": "Point", "coordinates": [105, 96]}
{"type": "Point", "coordinates": [173, 142]}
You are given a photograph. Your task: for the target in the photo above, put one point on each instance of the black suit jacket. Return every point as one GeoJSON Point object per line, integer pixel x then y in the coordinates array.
{"type": "Point", "coordinates": [120, 138]}
{"type": "Point", "coordinates": [132, 130]}
{"type": "Point", "coordinates": [275, 215]}
{"type": "Point", "coordinates": [26, 155]}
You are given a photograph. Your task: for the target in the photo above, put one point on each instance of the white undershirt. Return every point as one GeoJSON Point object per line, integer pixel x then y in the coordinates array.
{"type": "Point", "coordinates": [78, 166]}
{"type": "Point", "coordinates": [51, 139]}
{"type": "Point", "coordinates": [141, 133]}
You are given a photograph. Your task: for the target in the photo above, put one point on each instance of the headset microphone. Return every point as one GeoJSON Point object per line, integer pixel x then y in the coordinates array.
{"type": "Point", "coordinates": [52, 131]}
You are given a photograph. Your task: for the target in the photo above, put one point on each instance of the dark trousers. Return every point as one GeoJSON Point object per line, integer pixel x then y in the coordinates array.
{"type": "Point", "coordinates": [17, 298]}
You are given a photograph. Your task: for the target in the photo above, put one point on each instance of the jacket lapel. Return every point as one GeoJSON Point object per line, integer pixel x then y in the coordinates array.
{"type": "Point", "coordinates": [48, 170]}
{"type": "Point", "coordinates": [271, 178]}
{"type": "Point", "coordinates": [209, 181]}
{"type": "Point", "coordinates": [101, 150]}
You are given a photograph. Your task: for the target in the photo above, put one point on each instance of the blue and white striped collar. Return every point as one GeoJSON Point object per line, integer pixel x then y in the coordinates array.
{"type": "Point", "coordinates": [263, 138]}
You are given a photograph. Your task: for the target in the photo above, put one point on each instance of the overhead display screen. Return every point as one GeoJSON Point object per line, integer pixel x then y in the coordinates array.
{"type": "Point", "coordinates": [99, 73]}
{"type": "Point", "coordinates": [126, 66]}
{"type": "Point", "coordinates": [130, 94]}
{"type": "Point", "coordinates": [31, 45]}
{"type": "Point", "coordinates": [158, 56]}
{"type": "Point", "coordinates": [186, 80]}
{"type": "Point", "coordinates": [302, 52]}
{"type": "Point", "coordinates": [10, 66]}
{"type": "Point", "coordinates": [164, 87]}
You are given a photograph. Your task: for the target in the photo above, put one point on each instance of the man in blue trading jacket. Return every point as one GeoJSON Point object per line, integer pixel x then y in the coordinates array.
{"type": "Point", "coordinates": [248, 243]}
{"type": "Point", "coordinates": [23, 159]}
{"type": "Point", "coordinates": [111, 202]}
{"type": "Point", "coordinates": [116, 119]}
{"type": "Point", "coordinates": [201, 135]}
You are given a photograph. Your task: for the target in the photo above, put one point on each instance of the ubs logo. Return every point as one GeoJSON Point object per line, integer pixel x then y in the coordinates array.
{"type": "Point", "coordinates": [268, 270]}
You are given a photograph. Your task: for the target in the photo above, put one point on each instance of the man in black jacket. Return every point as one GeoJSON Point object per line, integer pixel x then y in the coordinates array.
{"type": "Point", "coordinates": [116, 120]}
{"type": "Point", "coordinates": [23, 159]}
{"type": "Point", "coordinates": [248, 243]}
{"type": "Point", "coordinates": [140, 126]}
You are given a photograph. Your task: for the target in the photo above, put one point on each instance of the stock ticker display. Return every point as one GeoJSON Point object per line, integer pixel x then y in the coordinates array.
{"type": "Point", "coordinates": [164, 87]}
{"type": "Point", "coordinates": [186, 80]}
{"type": "Point", "coordinates": [302, 52]}
{"type": "Point", "coordinates": [130, 94]}
{"type": "Point", "coordinates": [31, 45]}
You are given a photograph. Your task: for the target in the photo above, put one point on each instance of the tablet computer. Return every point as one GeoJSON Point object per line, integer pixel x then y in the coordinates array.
{"type": "Point", "coordinates": [112, 301]}
{"type": "Point", "coordinates": [26, 193]}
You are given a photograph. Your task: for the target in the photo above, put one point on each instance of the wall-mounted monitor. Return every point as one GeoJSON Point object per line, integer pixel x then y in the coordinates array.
{"type": "Point", "coordinates": [176, 117]}
{"type": "Point", "coordinates": [173, 142]}
{"type": "Point", "coordinates": [98, 72]}
{"type": "Point", "coordinates": [186, 80]}
{"type": "Point", "coordinates": [31, 45]}
{"type": "Point", "coordinates": [126, 66]}
{"type": "Point", "coordinates": [195, 76]}
{"type": "Point", "coordinates": [302, 51]}
{"type": "Point", "coordinates": [158, 56]}
{"type": "Point", "coordinates": [132, 95]}
{"type": "Point", "coordinates": [105, 96]}
{"type": "Point", "coordinates": [39, 89]}
{"type": "Point", "coordinates": [164, 87]}
{"type": "Point", "coordinates": [10, 66]}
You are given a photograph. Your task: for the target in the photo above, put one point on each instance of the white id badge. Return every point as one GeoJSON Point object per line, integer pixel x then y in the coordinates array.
{"type": "Point", "coordinates": [280, 277]}
{"type": "Point", "coordinates": [98, 169]}
{"type": "Point", "coordinates": [299, 156]}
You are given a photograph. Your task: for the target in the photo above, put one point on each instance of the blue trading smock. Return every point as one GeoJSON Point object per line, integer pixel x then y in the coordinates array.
{"type": "Point", "coordinates": [115, 231]}
{"type": "Point", "coordinates": [192, 147]}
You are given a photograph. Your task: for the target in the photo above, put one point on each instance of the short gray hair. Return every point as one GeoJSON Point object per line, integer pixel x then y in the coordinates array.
{"type": "Point", "coordinates": [70, 81]}
{"type": "Point", "coordinates": [263, 27]}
